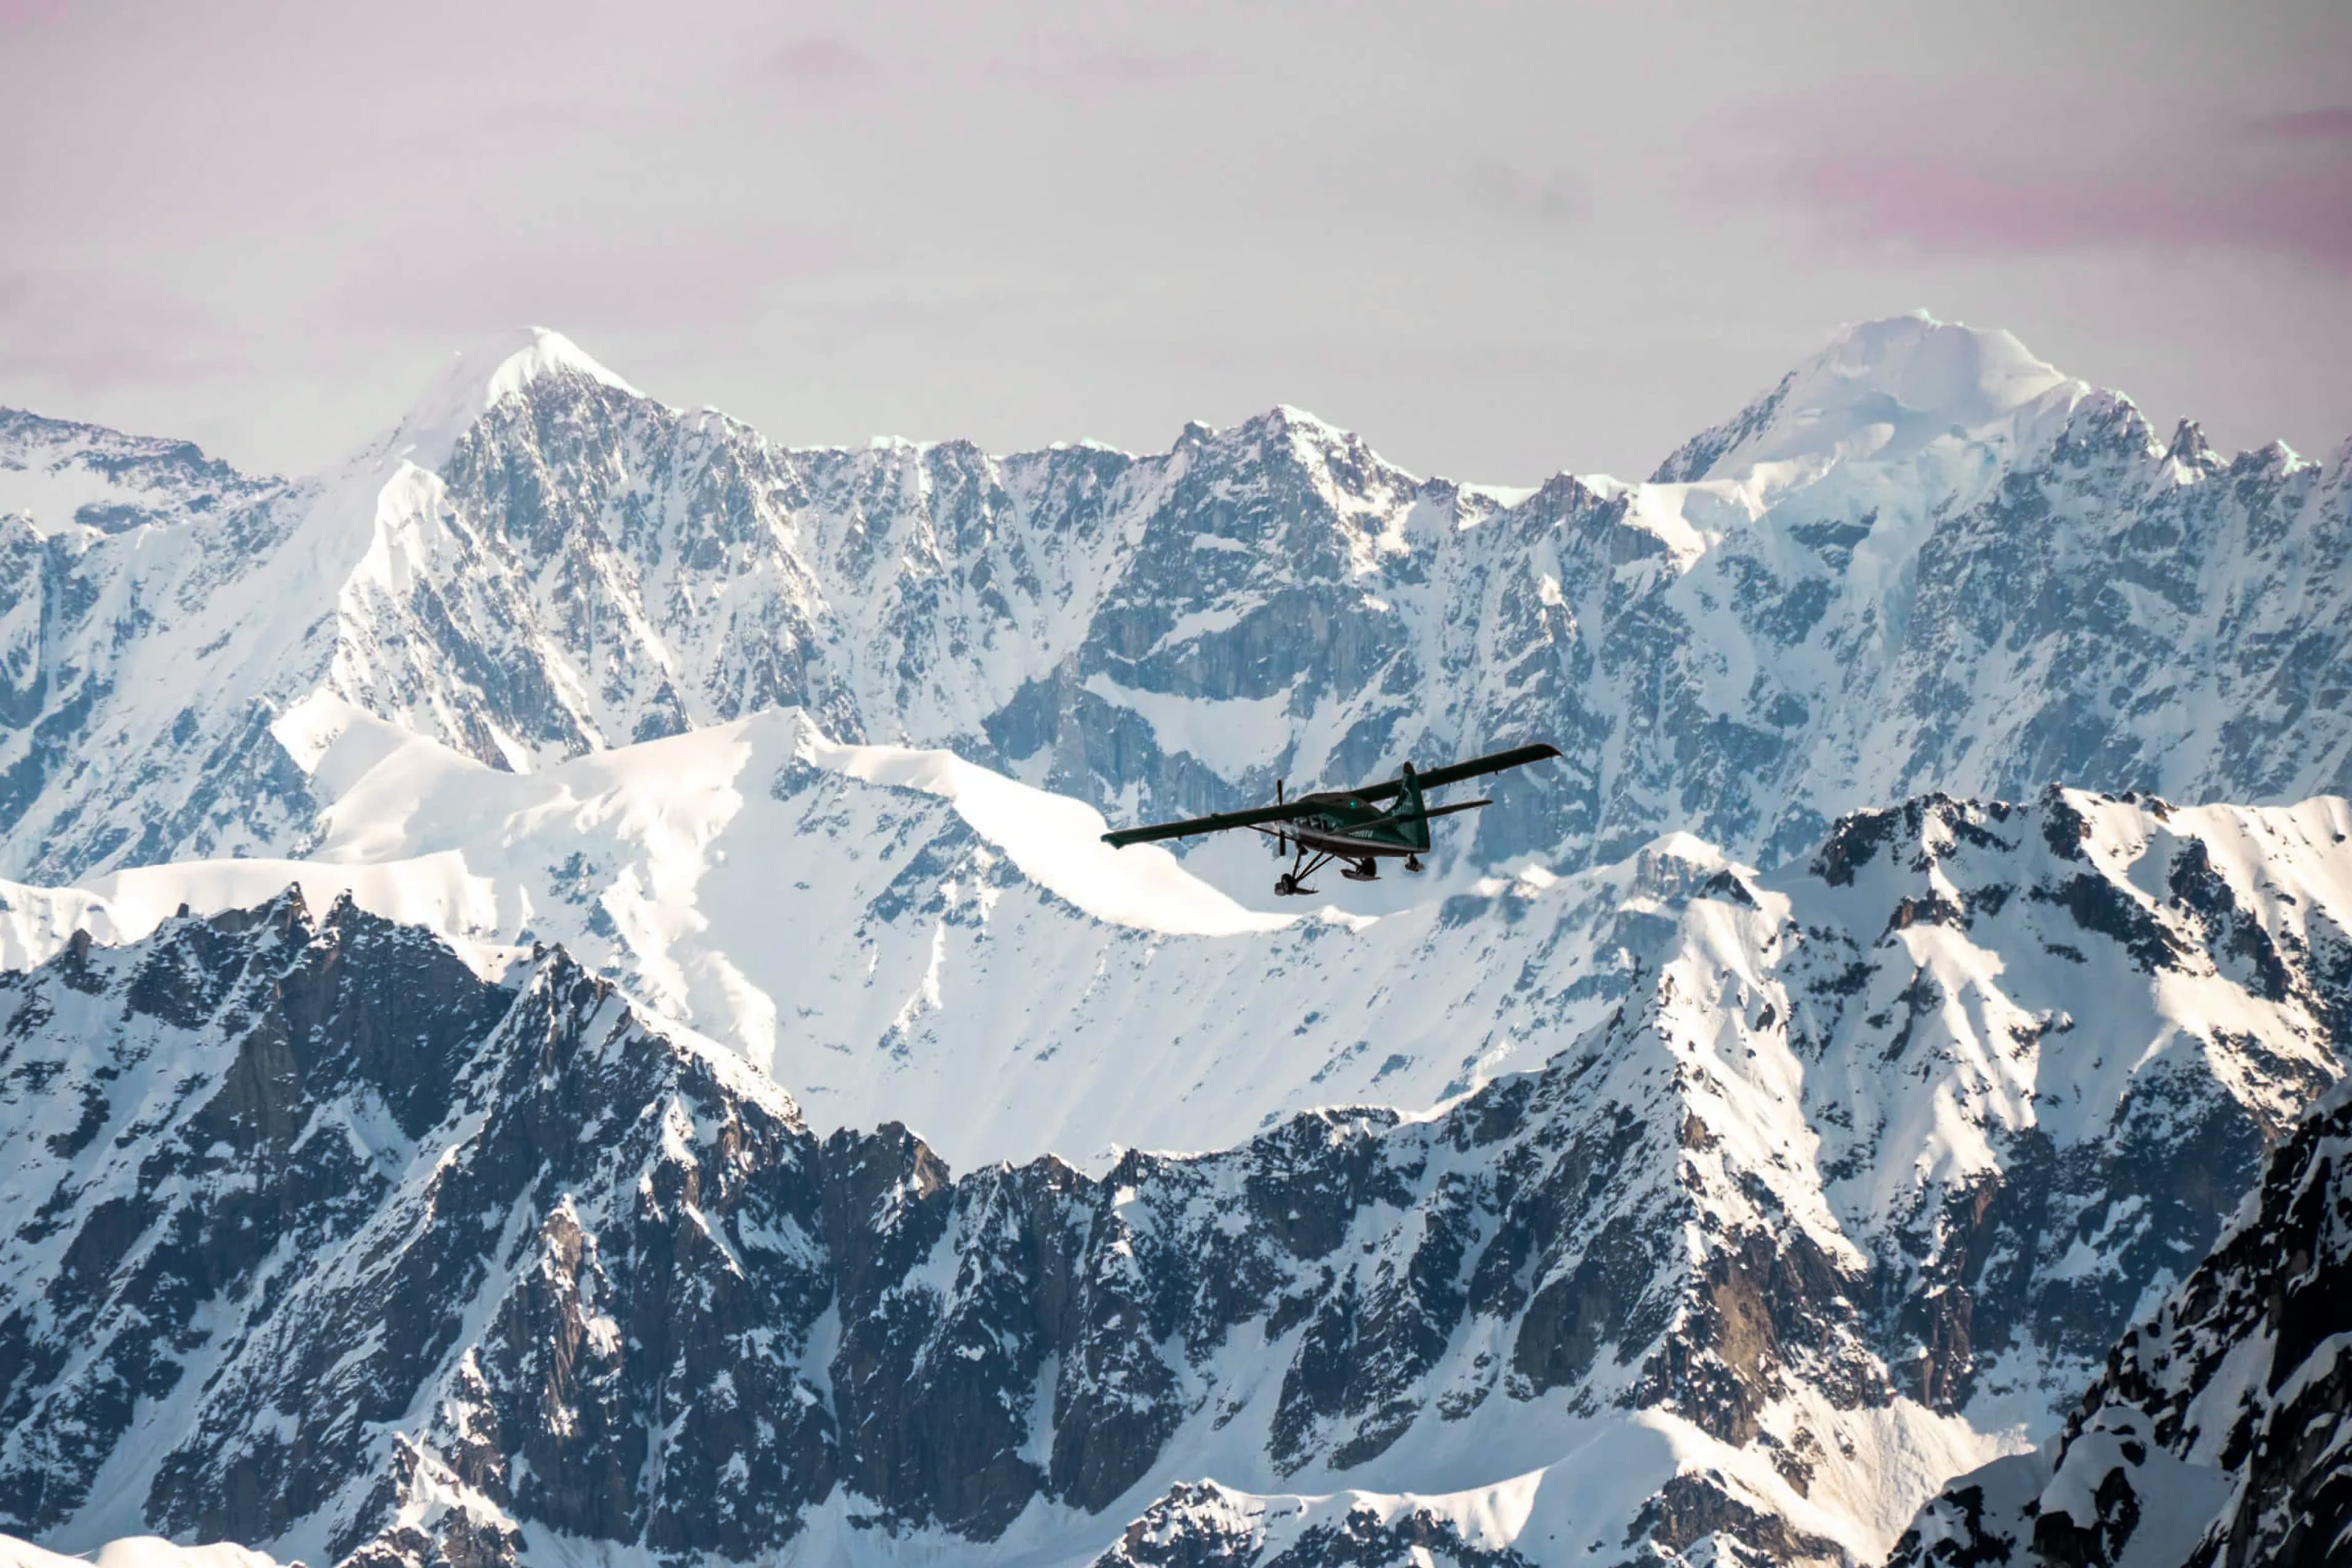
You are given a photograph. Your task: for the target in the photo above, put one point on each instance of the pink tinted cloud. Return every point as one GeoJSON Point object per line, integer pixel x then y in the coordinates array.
{"type": "Point", "coordinates": [20, 12]}
{"type": "Point", "coordinates": [824, 61]}
{"type": "Point", "coordinates": [822, 73]}
{"type": "Point", "coordinates": [1933, 205]}
{"type": "Point", "coordinates": [710, 281]}
{"type": "Point", "coordinates": [2032, 165]}
{"type": "Point", "coordinates": [2304, 125]}
{"type": "Point", "coordinates": [91, 329]}
{"type": "Point", "coordinates": [1097, 74]}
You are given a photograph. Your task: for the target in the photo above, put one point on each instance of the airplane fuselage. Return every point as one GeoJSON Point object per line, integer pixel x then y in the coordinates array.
{"type": "Point", "coordinates": [1354, 828]}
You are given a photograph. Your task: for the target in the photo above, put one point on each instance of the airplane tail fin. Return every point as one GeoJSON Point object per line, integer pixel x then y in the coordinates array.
{"type": "Point", "coordinates": [1414, 814]}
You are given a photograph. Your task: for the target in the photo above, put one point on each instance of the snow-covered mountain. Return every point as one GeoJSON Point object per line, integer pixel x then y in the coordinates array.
{"type": "Point", "coordinates": [2220, 1430]}
{"type": "Point", "coordinates": [67, 477]}
{"type": "Point", "coordinates": [734, 1107]}
{"type": "Point", "coordinates": [1925, 560]}
{"type": "Point", "coordinates": [1805, 1191]}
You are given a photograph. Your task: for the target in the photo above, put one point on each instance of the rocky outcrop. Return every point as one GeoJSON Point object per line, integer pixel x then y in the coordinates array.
{"type": "Point", "coordinates": [1205, 1526]}
{"type": "Point", "coordinates": [2219, 1430]}
{"type": "Point", "coordinates": [336, 1169]}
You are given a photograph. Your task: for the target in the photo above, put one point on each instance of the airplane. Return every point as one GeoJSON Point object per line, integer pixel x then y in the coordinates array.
{"type": "Point", "coordinates": [1348, 824]}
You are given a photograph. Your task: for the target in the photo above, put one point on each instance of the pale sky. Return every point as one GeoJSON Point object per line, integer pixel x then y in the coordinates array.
{"type": "Point", "coordinates": [1497, 240]}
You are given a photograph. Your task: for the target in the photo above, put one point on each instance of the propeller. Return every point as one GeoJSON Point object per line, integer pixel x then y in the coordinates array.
{"type": "Point", "coordinates": [1281, 843]}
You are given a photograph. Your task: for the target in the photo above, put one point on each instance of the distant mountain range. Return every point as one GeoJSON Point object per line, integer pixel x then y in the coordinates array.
{"type": "Point", "coordinates": [564, 1003]}
{"type": "Point", "coordinates": [1925, 560]}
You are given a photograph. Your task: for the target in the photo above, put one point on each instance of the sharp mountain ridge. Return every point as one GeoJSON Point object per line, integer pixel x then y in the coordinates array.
{"type": "Point", "coordinates": [1925, 560]}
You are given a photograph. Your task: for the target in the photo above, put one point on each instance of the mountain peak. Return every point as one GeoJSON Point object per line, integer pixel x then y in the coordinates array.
{"type": "Point", "coordinates": [479, 378]}
{"type": "Point", "coordinates": [1971, 373]}
{"type": "Point", "coordinates": [526, 354]}
{"type": "Point", "coordinates": [1879, 390]}
{"type": "Point", "coordinates": [1285, 419]}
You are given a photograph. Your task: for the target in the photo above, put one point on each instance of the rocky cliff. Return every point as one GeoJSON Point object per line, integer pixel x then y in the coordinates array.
{"type": "Point", "coordinates": [2219, 1431]}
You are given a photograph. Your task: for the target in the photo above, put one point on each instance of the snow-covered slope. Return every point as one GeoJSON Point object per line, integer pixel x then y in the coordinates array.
{"type": "Point", "coordinates": [1991, 1072]}
{"type": "Point", "coordinates": [903, 935]}
{"type": "Point", "coordinates": [58, 478]}
{"type": "Point", "coordinates": [1884, 392]}
{"type": "Point", "coordinates": [1926, 561]}
{"type": "Point", "coordinates": [133, 1552]}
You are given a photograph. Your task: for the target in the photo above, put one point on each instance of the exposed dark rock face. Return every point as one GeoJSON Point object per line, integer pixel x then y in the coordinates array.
{"type": "Point", "coordinates": [359, 1228]}
{"type": "Point", "coordinates": [1689, 1510]}
{"type": "Point", "coordinates": [1979, 1266]}
{"type": "Point", "coordinates": [346, 1172]}
{"type": "Point", "coordinates": [2220, 1431]}
{"type": "Point", "coordinates": [85, 598]}
{"type": "Point", "coordinates": [362, 1229]}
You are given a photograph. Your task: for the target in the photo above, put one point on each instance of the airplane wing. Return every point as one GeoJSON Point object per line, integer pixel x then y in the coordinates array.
{"type": "Point", "coordinates": [1216, 824]}
{"type": "Point", "coordinates": [1434, 779]}
{"type": "Point", "coordinates": [1437, 778]}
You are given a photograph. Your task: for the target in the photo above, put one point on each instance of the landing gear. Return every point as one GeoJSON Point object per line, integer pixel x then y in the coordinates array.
{"type": "Point", "coordinates": [1412, 864]}
{"type": "Point", "coordinates": [1292, 882]}
{"type": "Point", "coordinates": [1364, 871]}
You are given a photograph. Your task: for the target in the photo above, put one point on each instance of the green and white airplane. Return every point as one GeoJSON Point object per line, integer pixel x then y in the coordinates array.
{"type": "Point", "coordinates": [1353, 825]}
